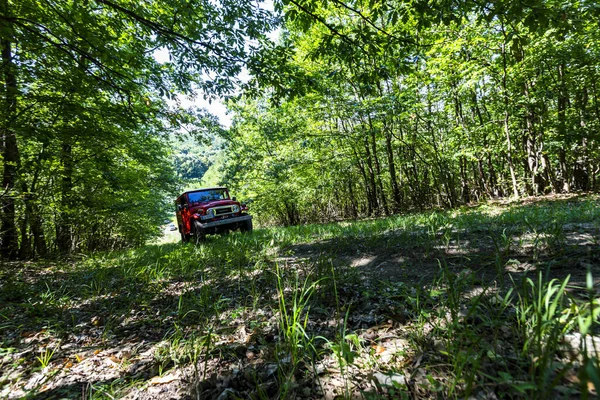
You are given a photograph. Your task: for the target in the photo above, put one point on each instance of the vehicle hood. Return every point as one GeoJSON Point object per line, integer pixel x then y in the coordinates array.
{"type": "Point", "coordinates": [216, 203]}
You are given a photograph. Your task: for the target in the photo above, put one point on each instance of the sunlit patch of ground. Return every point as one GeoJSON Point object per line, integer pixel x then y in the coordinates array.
{"type": "Point", "coordinates": [168, 236]}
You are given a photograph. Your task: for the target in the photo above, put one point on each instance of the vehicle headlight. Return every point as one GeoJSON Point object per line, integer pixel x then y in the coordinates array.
{"type": "Point", "coordinates": [236, 208]}
{"type": "Point", "coordinates": [210, 212]}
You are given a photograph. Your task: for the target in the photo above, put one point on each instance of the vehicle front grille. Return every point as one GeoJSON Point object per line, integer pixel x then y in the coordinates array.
{"type": "Point", "coordinates": [223, 210]}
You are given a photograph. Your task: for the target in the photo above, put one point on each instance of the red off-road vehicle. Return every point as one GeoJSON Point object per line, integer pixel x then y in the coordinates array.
{"type": "Point", "coordinates": [210, 210]}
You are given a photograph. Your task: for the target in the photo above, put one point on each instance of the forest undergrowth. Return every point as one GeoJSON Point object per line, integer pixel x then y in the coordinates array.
{"type": "Point", "coordinates": [493, 301]}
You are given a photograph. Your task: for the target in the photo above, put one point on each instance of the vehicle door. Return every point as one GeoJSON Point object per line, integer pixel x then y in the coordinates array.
{"type": "Point", "coordinates": [183, 214]}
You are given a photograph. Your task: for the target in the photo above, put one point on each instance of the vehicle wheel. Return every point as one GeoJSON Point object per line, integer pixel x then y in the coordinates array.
{"type": "Point", "coordinates": [246, 226]}
{"type": "Point", "coordinates": [199, 232]}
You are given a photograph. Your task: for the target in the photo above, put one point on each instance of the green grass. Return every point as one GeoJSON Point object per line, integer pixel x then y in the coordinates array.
{"type": "Point", "coordinates": [481, 300]}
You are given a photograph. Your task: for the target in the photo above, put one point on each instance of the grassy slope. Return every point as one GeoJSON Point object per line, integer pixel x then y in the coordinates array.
{"type": "Point", "coordinates": [432, 304]}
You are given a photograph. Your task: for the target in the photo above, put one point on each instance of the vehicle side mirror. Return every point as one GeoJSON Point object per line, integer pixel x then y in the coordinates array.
{"type": "Point", "coordinates": [234, 199]}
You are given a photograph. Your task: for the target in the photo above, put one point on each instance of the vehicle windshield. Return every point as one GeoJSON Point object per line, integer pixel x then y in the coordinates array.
{"type": "Point", "coordinates": [207, 195]}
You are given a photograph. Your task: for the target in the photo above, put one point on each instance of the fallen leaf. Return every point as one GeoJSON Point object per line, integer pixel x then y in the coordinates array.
{"type": "Point", "coordinates": [389, 379]}
{"type": "Point", "coordinates": [591, 387]}
{"type": "Point", "coordinates": [96, 352]}
{"type": "Point", "coordinates": [68, 364]}
{"type": "Point", "coordinates": [159, 380]}
{"type": "Point", "coordinates": [378, 349]}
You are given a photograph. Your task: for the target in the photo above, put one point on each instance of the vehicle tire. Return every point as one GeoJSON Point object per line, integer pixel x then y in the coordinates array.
{"type": "Point", "coordinates": [246, 226]}
{"type": "Point", "coordinates": [199, 232]}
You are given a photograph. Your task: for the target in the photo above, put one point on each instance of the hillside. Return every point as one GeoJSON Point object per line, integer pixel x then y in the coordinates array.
{"type": "Point", "coordinates": [494, 301]}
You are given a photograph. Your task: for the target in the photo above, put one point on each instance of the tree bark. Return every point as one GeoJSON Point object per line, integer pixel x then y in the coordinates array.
{"type": "Point", "coordinates": [363, 173]}
{"type": "Point", "coordinates": [382, 200]}
{"type": "Point", "coordinates": [372, 181]}
{"type": "Point", "coordinates": [25, 247]}
{"type": "Point", "coordinates": [392, 170]}
{"type": "Point", "coordinates": [563, 101]}
{"type": "Point", "coordinates": [9, 245]}
{"type": "Point", "coordinates": [506, 121]}
{"type": "Point", "coordinates": [64, 225]}
{"type": "Point", "coordinates": [33, 211]}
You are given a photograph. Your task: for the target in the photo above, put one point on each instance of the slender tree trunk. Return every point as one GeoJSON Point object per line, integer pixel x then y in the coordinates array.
{"type": "Point", "coordinates": [509, 157]}
{"type": "Point", "coordinates": [443, 173]}
{"type": "Point", "coordinates": [482, 182]}
{"type": "Point", "coordinates": [532, 163]}
{"type": "Point", "coordinates": [465, 191]}
{"type": "Point", "coordinates": [582, 177]}
{"type": "Point", "coordinates": [383, 200]}
{"type": "Point", "coordinates": [361, 168]}
{"type": "Point", "coordinates": [410, 171]}
{"type": "Point", "coordinates": [562, 129]}
{"type": "Point", "coordinates": [39, 240]}
{"type": "Point", "coordinates": [9, 245]}
{"type": "Point", "coordinates": [35, 220]}
{"type": "Point", "coordinates": [464, 183]}
{"type": "Point", "coordinates": [392, 170]}
{"type": "Point", "coordinates": [596, 101]}
{"type": "Point", "coordinates": [506, 122]}
{"type": "Point", "coordinates": [487, 184]}
{"type": "Point", "coordinates": [25, 247]}
{"type": "Point", "coordinates": [547, 166]}
{"type": "Point", "coordinates": [353, 207]}
{"type": "Point", "coordinates": [493, 187]}
{"type": "Point", "coordinates": [532, 143]}
{"type": "Point", "coordinates": [372, 181]}
{"type": "Point", "coordinates": [564, 170]}
{"type": "Point", "coordinates": [64, 225]}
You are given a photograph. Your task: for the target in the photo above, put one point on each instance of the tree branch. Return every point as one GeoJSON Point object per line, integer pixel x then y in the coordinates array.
{"type": "Point", "coordinates": [370, 22]}
{"type": "Point", "coordinates": [321, 20]}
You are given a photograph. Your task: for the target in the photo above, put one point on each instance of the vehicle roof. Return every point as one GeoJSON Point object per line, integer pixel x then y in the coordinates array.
{"type": "Point", "coordinates": [202, 189]}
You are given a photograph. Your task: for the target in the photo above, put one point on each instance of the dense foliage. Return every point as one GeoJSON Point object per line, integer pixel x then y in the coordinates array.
{"type": "Point", "coordinates": [359, 109]}
{"type": "Point", "coordinates": [85, 122]}
{"type": "Point", "coordinates": [365, 108]}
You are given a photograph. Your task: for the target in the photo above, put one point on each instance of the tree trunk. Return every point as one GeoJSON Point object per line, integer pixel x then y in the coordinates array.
{"type": "Point", "coordinates": [564, 170]}
{"type": "Point", "coordinates": [372, 181]}
{"type": "Point", "coordinates": [35, 221]}
{"type": "Point", "coordinates": [25, 247]}
{"type": "Point", "coordinates": [506, 122]}
{"type": "Point", "coordinates": [550, 173]}
{"type": "Point", "coordinates": [361, 168]}
{"type": "Point", "coordinates": [465, 191]}
{"type": "Point", "coordinates": [383, 200]}
{"type": "Point", "coordinates": [9, 245]}
{"type": "Point", "coordinates": [392, 170]}
{"type": "Point", "coordinates": [563, 101]}
{"type": "Point", "coordinates": [464, 183]}
{"type": "Point", "coordinates": [64, 225]}
{"type": "Point", "coordinates": [487, 184]}
{"type": "Point", "coordinates": [353, 207]}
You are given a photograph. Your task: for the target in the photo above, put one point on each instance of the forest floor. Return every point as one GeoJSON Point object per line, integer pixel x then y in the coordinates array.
{"type": "Point", "coordinates": [493, 301]}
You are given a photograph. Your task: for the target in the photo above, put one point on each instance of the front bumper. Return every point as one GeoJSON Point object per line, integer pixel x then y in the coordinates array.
{"type": "Point", "coordinates": [226, 221]}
